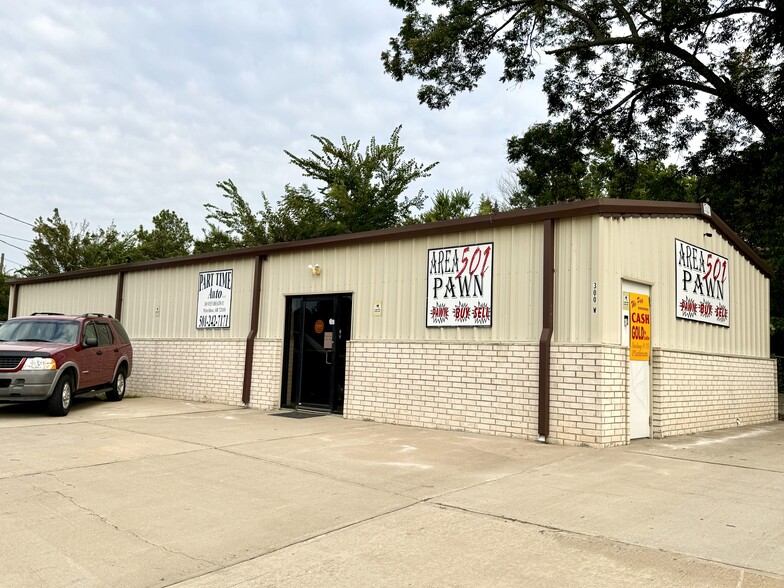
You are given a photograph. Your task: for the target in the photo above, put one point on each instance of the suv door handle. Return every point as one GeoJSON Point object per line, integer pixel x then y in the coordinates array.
{"type": "Point", "coordinates": [99, 353]}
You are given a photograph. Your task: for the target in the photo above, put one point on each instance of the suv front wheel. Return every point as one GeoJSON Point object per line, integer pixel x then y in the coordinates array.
{"type": "Point", "coordinates": [59, 402]}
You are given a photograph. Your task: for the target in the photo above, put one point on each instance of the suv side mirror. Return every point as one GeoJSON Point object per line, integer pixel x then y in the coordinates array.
{"type": "Point", "coordinates": [91, 342]}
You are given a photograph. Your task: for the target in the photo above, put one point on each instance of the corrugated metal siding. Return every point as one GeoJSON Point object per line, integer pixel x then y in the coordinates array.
{"type": "Point", "coordinates": [643, 249]}
{"type": "Point", "coordinates": [162, 303]}
{"type": "Point", "coordinates": [395, 274]}
{"type": "Point", "coordinates": [574, 274]}
{"type": "Point", "coordinates": [69, 296]}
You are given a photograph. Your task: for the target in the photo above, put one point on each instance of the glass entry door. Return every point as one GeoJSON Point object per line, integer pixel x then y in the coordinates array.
{"type": "Point", "coordinates": [317, 328]}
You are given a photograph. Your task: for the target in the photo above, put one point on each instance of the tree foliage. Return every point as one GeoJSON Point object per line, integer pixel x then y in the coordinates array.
{"type": "Point", "coordinates": [448, 205]}
{"type": "Point", "coordinates": [60, 246]}
{"type": "Point", "coordinates": [169, 237]}
{"type": "Point", "coordinates": [364, 191]}
{"type": "Point", "coordinates": [633, 71]}
{"type": "Point", "coordinates": [556, 167]}
{"type": "Point", "coordinates": [360, 191]}
{"type": "Point", "coordinates": [299, 215]}
{"type": "Point", "coordinates": [237, 227]}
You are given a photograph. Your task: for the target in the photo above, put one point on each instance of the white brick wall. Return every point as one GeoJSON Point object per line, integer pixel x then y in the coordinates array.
{"type": "Point", "coordinates": [265, 381]}
{"type": "Point", "coordinates": [487, 388]}
{"type": "Point", "coordinates": [490, 388]}
{"type": "Point", "coordinates": [188, 369]}
{"type": "Point", "coordinates": [479, 387]}
{"type": "Point", "coordinates": [206, 370]}
{"type": "Point", "coordinates": [694, 392]}
{"type": "Point", "coordinates": [588, 391]}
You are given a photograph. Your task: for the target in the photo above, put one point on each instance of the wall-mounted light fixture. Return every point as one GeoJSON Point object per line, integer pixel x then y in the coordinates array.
{"type": "Point", "coordinates": [315, 269]}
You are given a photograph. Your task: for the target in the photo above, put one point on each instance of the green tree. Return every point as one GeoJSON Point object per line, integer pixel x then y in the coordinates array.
{"type": "Point", "coordinates": [234, 228]}
{"type": "Point", "coordinates": [557, 165]}
{"type": "Point", "coordinates": [447, 205]}
{"type": "Point", "coordinates": [169, 237]}
{"type": "Point", "coordinates": [364, 191]}
{"type": "Point", "coordinates": [633, 70]}
{"type": "Point", "coordinates": [488, 205]}
{"type": "Point", "coordinates": [59, 246]}
{"type": "Point", "coordinates": [299, 215]}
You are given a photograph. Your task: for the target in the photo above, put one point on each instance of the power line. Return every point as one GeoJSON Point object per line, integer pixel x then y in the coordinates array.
{"type": "Point", "coordinates": [17, 238]}
{"type": "Point", "coordinates": [16, 219]}
{"type": "Point", "coordinates": [14, 262]}
{"type": "Point", "coordinates": [14, 246]}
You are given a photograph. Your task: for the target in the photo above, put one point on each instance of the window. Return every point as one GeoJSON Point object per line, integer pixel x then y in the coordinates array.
{"type": "Point", "coordinates": [89, 333]}
{"type": "Point", "coordinates": [104, 334]}
{"type": "Point", "coordinates": [121, 333]}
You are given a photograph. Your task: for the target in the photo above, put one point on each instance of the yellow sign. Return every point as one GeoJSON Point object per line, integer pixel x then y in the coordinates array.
{"type": "Point", "coordinates": [640, 327]}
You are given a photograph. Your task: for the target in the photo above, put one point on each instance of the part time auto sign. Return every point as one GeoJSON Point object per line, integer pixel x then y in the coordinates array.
{"type": "Point", "coordinates": [460, 286]}
{"type": "Point", "coordinates": [702, 285]}
{"type": "Point", "coordinates": [213, 309]}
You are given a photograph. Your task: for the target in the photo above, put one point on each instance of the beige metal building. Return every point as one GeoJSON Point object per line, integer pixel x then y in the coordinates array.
{"type": "Point", "coordinates": [584, 323]}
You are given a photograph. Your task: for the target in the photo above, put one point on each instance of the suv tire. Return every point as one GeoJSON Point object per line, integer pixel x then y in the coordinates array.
{"type": "Point", "coordinates": [59, 402]}
{"type": "Point", "coordinates": [117, 391]}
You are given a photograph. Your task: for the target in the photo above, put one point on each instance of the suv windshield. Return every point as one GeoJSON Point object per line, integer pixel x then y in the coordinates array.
{"type": "Point", "coordinates": [41, 330]}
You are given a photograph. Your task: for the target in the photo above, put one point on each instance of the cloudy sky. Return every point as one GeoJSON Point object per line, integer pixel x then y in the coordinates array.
{"type": "Point", "coordinates": [111, 111]}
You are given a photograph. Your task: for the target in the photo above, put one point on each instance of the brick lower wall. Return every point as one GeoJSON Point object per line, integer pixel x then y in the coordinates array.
{"type": "Point", "coordinates": [206, 371]}
{"type": "Point", "coordinates": [588, 392]}
{"type": "Point", "coordinates": [490, 388]}
{"type": "Point", "coordinates": [486, 388]}
{"type": "Point", "coordinates": [188, 369]}
{"type": "Point", "coordinates": [265, 382]}
{"type": "Point", "coordinates": [694, 392]}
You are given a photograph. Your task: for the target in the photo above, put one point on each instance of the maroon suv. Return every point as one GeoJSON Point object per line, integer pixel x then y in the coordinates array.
{"type": "Point", "coordinates": [53, 357]}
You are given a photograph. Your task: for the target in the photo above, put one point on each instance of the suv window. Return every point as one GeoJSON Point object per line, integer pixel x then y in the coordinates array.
{"type": "Point", "coordinates": [120, 330]}
{"type": "Point", "coordinates": [104, 334]}
{"type": "Point", "coordinates": [89, 333]}
{"type": "Point", "coordinates": [40, 330]}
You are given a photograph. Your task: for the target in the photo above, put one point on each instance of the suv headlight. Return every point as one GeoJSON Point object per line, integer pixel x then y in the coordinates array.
{"type": "Point", "coordinates": [39, 363]}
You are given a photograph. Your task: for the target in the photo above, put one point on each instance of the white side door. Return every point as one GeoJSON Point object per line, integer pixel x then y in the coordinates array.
{"type": "Point", "coordinates": [639, 369]}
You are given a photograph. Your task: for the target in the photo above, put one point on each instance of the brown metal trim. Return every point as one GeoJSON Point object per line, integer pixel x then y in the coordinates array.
{"type": "Point", "coordinates": [548, 303]}
{"type": "Point", "coordinates": [603, 206]}
{"type": "Point", "coordinates": [254, 327]}
{"type": "Point", "coordinates": [118, 301]}
{"type": "Point", "coordinates": [15, 305]}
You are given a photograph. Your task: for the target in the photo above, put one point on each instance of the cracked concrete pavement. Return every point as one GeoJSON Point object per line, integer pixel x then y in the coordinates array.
{"type": "Point", "coordinates": [153, 492]}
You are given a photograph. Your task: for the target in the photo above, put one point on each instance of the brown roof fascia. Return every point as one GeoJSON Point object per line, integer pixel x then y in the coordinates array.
{"type": "Point", "coordinates": [603, 206]}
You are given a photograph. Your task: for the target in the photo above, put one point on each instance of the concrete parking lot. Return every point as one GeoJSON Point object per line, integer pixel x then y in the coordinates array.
{"type": "Point", "coordinates": [152, 492]}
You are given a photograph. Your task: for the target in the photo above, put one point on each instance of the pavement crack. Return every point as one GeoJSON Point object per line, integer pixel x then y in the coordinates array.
{"type": "Point", "coordinates": [301, 541]}
{"type": "Point", "coordinates": [560, 530]}
{"type": "Point", "coordinates": [111, 524]}
{"type": "Point", "coordinates": [706, 462]}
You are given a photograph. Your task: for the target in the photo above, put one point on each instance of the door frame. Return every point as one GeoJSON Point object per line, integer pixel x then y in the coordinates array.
{"type": "Point", "coordinates": [294, 359]}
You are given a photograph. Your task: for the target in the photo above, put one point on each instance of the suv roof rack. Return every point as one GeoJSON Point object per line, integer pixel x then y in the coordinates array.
{"type": "Point", "coordinates": [98, 314]}
{"type": "Point", "coordinates": [47, 314]}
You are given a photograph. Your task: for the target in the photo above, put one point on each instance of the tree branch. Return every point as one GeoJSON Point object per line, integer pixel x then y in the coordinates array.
{"type": "Point", "coordinates": [627, 17]}
{"type": "Point", "coordinates": [722, 88]}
